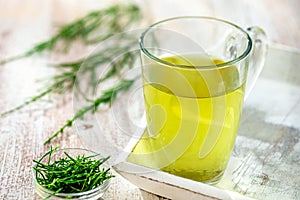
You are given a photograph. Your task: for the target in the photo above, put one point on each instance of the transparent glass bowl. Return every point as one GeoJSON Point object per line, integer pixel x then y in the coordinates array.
{"type": "Point", "coordinates": [95, 193]}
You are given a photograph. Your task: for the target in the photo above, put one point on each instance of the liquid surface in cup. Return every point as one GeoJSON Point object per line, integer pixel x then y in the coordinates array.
{"type": "Point", "coordinates": [192, 116]}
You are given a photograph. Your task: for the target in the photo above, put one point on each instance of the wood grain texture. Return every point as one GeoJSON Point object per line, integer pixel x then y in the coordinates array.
{"type": "Point", "coordinates": [269, 136]}
{"type": "Point", "coordinates": [25, 22]}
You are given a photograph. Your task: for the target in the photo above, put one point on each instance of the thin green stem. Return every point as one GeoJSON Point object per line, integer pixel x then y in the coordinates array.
{"type": "Point", "coordinates": [29, 101]}
{"type": "Point", "coordinates": [92, 28]}
{"type": "Point", "coordinates": [107, 97]}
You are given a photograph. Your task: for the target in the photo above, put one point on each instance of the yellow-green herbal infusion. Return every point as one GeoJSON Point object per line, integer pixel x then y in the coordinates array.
{"type": "Point", "coordinates": [192, 115]}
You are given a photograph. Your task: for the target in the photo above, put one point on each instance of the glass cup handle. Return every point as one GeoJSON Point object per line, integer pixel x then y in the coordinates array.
{"type": "Point", "coordinates": [257, 56]}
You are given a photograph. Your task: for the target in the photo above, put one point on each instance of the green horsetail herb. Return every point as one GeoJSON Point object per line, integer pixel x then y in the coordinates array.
{"type": "Point", "coordinates": [107, 97]}
{"type": "Point", "coordinates": [96, 26]}
{"type": "Point", "coordinates": [59, 84]}
{"type": "Point", "coordinates": [90, 29]}
{"type": "Point", "coordinates": [64, 81]}
{"type": "Point", "coordinates": [69, 174]}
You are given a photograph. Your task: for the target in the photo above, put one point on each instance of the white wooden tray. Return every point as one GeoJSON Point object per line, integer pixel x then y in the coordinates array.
{"type": "Point", "coordinates": [265, 163]}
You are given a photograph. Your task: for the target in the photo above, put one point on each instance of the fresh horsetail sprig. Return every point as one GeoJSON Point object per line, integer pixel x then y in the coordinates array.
{"type": "Point", "coordinates": [65, 80]}
{"type": "Point", "coordinates": [70, 174]}
{"type": "Point", "coordinates": [107, 97]}
{"type": "Point", "coordinates": [59, 83]}
{"type": "Point", "coordinates": [92, 28]}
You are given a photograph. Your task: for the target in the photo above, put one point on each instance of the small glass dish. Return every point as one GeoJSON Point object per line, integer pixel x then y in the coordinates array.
{"type": "Point", "coordinates": [93, 194]}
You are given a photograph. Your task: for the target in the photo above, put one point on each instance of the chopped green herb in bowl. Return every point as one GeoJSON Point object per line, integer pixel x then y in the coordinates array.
{"type": "Point", "coordinates": [71, 174]}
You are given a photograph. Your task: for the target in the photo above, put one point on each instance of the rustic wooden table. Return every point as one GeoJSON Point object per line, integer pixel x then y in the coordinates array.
{"type": "Point", "coordinates": [23, 23]}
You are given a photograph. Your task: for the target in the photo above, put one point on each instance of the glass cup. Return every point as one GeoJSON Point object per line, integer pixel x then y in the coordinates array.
{"type": "Point", "coordinates": [195, 71]}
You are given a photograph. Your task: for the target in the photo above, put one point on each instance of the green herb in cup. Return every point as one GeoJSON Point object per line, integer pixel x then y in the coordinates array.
{"type": "Point", "coordinates": [61, 172]}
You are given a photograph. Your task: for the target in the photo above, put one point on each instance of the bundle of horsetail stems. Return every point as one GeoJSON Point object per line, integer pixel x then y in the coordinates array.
{"type": "Point", "coordinates": [91, 29]}
{"type": "Point", "coordinates": [71, 174]}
